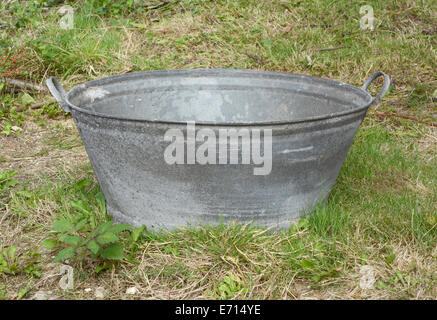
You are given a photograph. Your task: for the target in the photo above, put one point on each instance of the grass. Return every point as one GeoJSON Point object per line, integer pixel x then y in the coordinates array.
{"type": "Point", "coordinates": [381, 211]}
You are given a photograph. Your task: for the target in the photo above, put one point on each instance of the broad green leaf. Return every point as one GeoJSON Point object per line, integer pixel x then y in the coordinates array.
{"type": "Point", "coordinates": [107, 237]}
{"type": "Point", "coordinates": [136, 233]}
{"type": "Point", "coordinates": [81, 224]}
{"type": "Point", "coordinates": [80, 206]}
{"type": "Point", "coordinates": [36, 273]}
{"type": "Point", "coordinates": [100, 197]}
{"type": "Point", "coordinates": [65, 254]}
{"type": "Point", "coordinates": [104, 227]}
{"type": "Point", "coordinates": [11, 253]}
{"type": "Point", "coordinates": [26, 99]}
{"type": "Point", "coordinates": [225, 289]}
{"type": "Point", "coordinates": [73, 240]}
{"type": "Point", "coordinates": [82, 184]}
{"type": "Point", "coordinates": [49, 243]}
{"type": "Point", "coordinates": [306, 264]}
{"type": "Point", "coordinates": [3, 261]}
{"type": "Point", "coordinates": [316, 278]}
{"type": "Point", "coordinates": [119, 228]}
{"type": "Point", "coordinates": [113, 252]}
{"type": "Point", "coordinates": [101, 267]}
{"type": "Point", "coordinates": [93, 246]}
{"type": "Point", "coordinates": [63, 225]}
{"type": "Point", "coordinates": [8, 127]}
{"type": "Point", "coordinates": [61, 237]}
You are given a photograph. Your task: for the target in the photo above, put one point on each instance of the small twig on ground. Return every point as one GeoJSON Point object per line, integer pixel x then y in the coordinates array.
{"type": "Point", "coordinates": [37, 105]}
{"type": "Point", "coordinates": [33, 106]}
{"type": "Point", "coordinates": [23, 84]}
{"type": "Point", "coordinates": [378, 114]}
{"type": "Point", "coordinates": [20, 108]}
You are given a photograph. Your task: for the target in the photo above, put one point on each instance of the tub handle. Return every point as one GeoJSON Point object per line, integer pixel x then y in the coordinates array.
{"type": "Point", "coordinates": [384, 89]}
{"type": "Point", "coordinates": [58, 92]}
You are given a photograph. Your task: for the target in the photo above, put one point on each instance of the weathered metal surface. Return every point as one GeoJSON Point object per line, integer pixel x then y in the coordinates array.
{"type": "Point", "coordinates": [123, 119]}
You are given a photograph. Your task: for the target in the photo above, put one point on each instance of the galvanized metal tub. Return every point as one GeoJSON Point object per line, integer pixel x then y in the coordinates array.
{"type": "Point", "coordinates": [123, 121]}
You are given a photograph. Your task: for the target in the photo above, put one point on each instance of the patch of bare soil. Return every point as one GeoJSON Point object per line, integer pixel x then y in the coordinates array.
{"type": "Point", "coordinates": [37, 149]}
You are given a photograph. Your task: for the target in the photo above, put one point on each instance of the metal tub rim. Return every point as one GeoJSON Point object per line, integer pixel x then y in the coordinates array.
{"type": "Point", "coordinates": [63, 97]}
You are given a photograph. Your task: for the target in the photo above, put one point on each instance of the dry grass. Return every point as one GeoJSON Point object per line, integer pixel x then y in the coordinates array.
{"type": "Point", "coordinates": [30, 153]}
{"type": "Point", "coordinates": [382, 212]}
